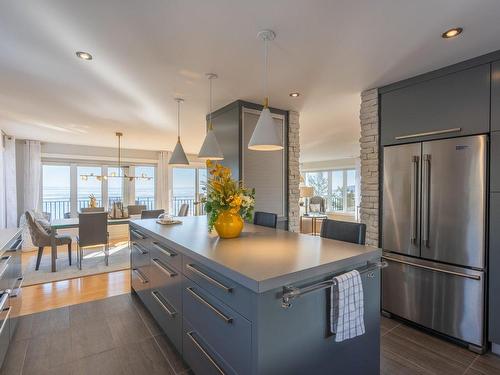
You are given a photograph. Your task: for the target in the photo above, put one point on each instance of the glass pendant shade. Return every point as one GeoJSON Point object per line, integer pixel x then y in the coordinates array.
{"type": "Point", "coordinates": [178, 156]}
{"type": "Point", "coordinates": [210, 148]}
{"type": "Point", "coordinates": [265, 136]}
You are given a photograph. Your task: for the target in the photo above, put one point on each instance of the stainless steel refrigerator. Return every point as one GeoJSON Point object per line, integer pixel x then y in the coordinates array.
{"type": "Point", "coordinates": [434, 235]}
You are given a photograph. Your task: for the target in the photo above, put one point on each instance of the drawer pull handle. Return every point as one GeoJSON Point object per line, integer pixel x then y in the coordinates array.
{"type": "Point", "coordinates": [3, 300]}
{"type": "Point", "coordinates": [210, 279]}
{"type": "Point", "coordinates": [140, 276]}
{"type": "Point", "coordinates": [5, 320]}
{"type": "Point", "coordinates": [18, 290]}
{"type": "Point", "coordinates": [473, 277]}
{"type": "Point", "coordinates": [137, 234]}
{"type": "Point", "coordinates": [163, 250]}
{"type": "Point", "coordinates": [204, 352]}
{"type": "Point", "coordinates": [139, 248]}
{"type": "Point", "coordinates": [164, 268]}
{"type": "Point", "coordinates": [158, 299]}
{"type": "Point", "coordinates": [435, 132]}
{"type": "Point", "coordinates": [221, 315]}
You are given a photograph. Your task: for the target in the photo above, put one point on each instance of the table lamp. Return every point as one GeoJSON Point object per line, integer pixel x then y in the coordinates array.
{"type": "Point", "coordinates": [306, 192]}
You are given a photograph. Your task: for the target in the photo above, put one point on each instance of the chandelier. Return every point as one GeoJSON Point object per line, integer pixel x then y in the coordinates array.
{"type": "Point", "coordinates": [143, 176]}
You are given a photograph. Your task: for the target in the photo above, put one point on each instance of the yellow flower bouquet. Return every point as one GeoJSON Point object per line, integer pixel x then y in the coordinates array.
{"type": "Point", "coordinates": [227, 202]}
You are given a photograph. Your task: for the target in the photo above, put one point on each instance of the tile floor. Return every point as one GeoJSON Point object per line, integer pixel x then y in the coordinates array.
{"type": "Point", "coordinates": [117, 335]}
{"type": "Point", "coordinates": [406, 350]}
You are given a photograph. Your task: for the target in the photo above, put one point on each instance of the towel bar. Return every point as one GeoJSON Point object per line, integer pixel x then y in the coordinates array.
{"type": "Point", "coordinates": [291, 292]}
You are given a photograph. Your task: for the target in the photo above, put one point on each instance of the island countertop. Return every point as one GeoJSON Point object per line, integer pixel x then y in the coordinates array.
{"type": "Point", "coordinates": [262, 258]}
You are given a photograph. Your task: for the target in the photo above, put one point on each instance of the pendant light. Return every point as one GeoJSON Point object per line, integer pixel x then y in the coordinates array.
{"type": "Point", "coordinates": [265, 136]}
{"type": "Point", "coordinates": [210, 148]}
{"type": "Point", "coordinates": [178, 156]}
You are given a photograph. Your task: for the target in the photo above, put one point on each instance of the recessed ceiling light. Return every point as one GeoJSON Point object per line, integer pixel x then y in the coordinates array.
{"type": "Point", "coordinates": [294, 94]}
{"type": "Point", "coordinates": [84, 55]}
{"type": "Point", "coordinates": [451, 33]}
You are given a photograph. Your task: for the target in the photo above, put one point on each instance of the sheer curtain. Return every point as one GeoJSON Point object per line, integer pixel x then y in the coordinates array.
{"type": "Point", "coordinates": [162, 180]}
{"type": "Point", "coordinates": [32, 178]}
{"type": "Point", "coordinates": [10, 182]}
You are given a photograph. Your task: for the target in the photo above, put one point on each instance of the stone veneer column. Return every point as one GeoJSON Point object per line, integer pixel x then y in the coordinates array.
{"type": "Point", "coordinates": [293, 171]}
{"type": "Point", "coordinates": [369, 165]}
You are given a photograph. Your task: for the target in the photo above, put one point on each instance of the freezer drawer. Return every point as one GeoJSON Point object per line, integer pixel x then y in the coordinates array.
{"type": "Point", "coordinates": [446, 299]}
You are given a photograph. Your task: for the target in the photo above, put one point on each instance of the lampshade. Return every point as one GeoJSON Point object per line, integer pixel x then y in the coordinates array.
{"type": "Point", "coordinates": [210, 148]}
{"type": "Point", "coordinates": [178, 156]}
{"type": "Point", "coordinates": [265, 137]}
{"type": "Point", "coordinates": [306, 191]}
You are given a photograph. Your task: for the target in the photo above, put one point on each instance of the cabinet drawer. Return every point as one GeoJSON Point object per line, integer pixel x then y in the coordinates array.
{"type": "Point", "coordinates": [166, 280]}
{"type": "Point", "coordinates": [226, 331]}
{"type": "Point", "coordinates": [139, 255]}
{"type": "Point", "coordinates": [166, 255]}
{"type": "Point", "coordinates": [495, 162]}
{"type": "Point", "coordinates": [138, 236]}
{"type": "Point", "coordinates": [200, 356]}
{"type": "Point", "coordinates": [167, 316]}
{"type": "Point", "coordinates": [231, 293]}
{"type": "Point", "coordinates": [140, 283]}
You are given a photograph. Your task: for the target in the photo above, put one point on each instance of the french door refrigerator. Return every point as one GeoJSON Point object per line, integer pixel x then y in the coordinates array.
{"type": "Point", "coordinates": [434, 235]}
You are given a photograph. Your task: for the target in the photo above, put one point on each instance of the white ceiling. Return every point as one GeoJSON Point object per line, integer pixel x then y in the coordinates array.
{"type": "Point", "coordinates": [147, 52]}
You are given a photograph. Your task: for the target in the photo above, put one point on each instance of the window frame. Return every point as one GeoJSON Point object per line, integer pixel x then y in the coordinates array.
{"type": "Point", "coordinates": [329, 172]}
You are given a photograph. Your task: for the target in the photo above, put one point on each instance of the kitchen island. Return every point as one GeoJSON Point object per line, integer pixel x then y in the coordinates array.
{"type": "Point", "coordinates": [240, 306]}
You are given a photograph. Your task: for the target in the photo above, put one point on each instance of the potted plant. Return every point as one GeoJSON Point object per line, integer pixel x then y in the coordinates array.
{"type": "Point", "coordinates": [227, 203]}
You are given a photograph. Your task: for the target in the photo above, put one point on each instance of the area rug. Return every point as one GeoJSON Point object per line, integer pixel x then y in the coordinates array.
{"type": "Point", "coordinates": [93, 263]}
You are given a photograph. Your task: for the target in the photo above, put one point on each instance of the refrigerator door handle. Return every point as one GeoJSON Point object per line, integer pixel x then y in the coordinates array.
{"type": "Point", "coordinates": [459, 274]}
{"type": "Point", "coordinates": [414, 199]}
{"type": "Point", "coordinates": [426, 199]}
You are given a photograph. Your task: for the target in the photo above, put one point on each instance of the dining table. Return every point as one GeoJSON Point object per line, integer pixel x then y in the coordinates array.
{"type": "Point", "coordinates": [73, 222]}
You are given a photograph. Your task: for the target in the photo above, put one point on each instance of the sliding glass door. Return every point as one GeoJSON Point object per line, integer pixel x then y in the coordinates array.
{"type": "Point", "coordinates": [188, 185]}
{"type": "Point", "coordinates": [56, 190]}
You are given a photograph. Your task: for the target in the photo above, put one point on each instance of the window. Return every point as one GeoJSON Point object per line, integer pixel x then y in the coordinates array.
{"type": "Point", "coordinates": [65, 192]}
{"type": "Point", "coordinates": [115, 185]}
{"type": "Point", "coordinates": [56, 190]}
{"type": "Point", "coordinates": [144, 188]}
{"type": "Point", "coordinates": [338, 187]}
{"type": "Point", "coordinates": [87, 186]}
{"type": "Point", "coordinates": [187, 186]}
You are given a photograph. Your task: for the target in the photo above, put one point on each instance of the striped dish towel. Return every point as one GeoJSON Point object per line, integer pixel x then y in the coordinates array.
{"type": "Point", "coordinates": [347, 306]}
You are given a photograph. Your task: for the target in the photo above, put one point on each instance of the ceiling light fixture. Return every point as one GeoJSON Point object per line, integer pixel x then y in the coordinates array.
{"type": "Point", "coordinates": [265, 136]}
{"type": "Point", "coordinates": [143, 176]}
{"type": "Point", "coordinates": [451, 33]}
{"type": "Point", "coordinates": [84, 55]}
{"type": "Point", "coordinates": [178, 156]}
{"type": "Point", "coordinates": [210, 148]}
{"type": "Point", "coordinates": [294, 94]}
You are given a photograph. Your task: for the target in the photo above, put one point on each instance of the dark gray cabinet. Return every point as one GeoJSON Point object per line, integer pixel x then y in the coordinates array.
{"type": "Point", "coordinates": [495, 96]}
{"type": "Point", "coordinates": [453, 105]}
{"type": "Point", "coordinates": [494, 275]}
{"type": "Point", "coordinates": [495, 162]}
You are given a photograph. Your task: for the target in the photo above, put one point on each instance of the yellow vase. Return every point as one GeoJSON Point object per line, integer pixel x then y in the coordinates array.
{"type": "Point", "coordinates": [228, 225]}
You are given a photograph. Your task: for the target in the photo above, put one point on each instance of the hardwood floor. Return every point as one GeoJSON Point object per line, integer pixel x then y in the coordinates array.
{"type": "Point", "coordinates": [404, 350]}
{"type": "Point", "coordinates": [43, 297]}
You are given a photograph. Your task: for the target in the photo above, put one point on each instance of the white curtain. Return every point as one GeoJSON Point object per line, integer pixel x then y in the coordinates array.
{"type": "Point", "coordinates": [3, 213]}
{"type": "Point", "coordinates": [32, 178]}
{"type": "Point", "coordinates": [10, 182]}
{"type": "Point", "coordinates": [162, 180]}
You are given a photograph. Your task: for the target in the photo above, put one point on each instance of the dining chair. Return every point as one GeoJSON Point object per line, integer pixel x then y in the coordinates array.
{"type": "Point", "coordinates": [40, 237]}
{"type": "Point", "coordinates": [343, 231]}
{"type": "Point", "coordinates": [136, 209]}
{"type": "Point", "coordinates": [92, 209]}
{"type": "Point", "coordinates": [92, 231]}
{"type": "Point", "coordinates": [183, 210]}
{"type": "Point", "coordinates": [151, 214]}
{"type": "Point", "coordinates": [265, 219]}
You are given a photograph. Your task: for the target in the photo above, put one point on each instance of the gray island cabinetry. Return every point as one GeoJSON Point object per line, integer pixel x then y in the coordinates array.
{"type": "Point", "coordinates": [222, 305]}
